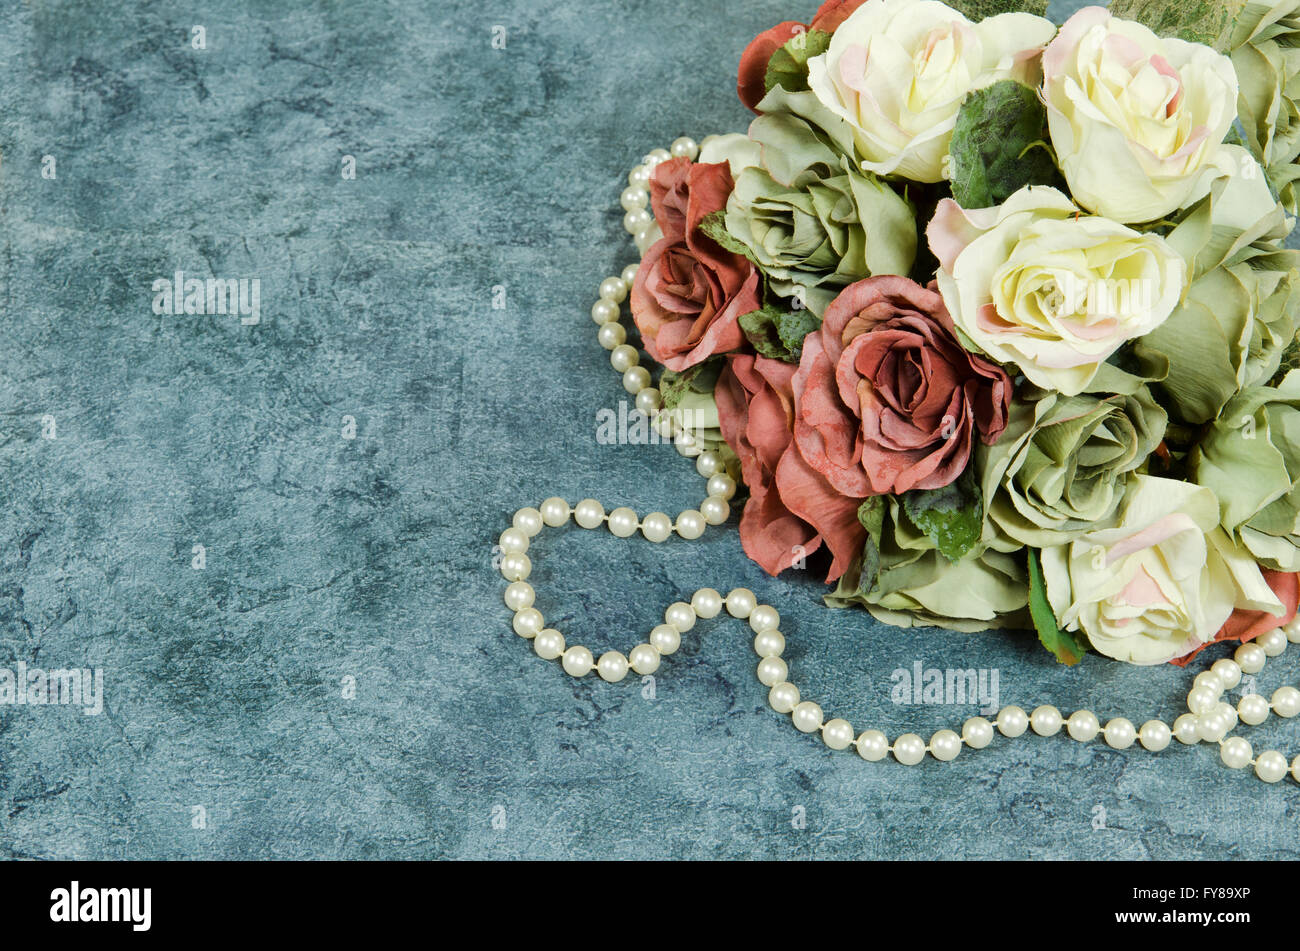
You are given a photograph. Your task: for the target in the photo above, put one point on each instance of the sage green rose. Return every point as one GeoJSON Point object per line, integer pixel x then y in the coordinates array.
{"type": "Point", "coordinates": [1240, 311]}
{"type": "Point", "coordinates": [811, 220]}
{"type": "Point", "coordinates": [916, 586]}
{"type": "Point", "coordinates": [1062, 465]}
{"type": "Point", "coordinates": [1266, 56]}
{"type": "Point", "coordinates": [1251, 459]}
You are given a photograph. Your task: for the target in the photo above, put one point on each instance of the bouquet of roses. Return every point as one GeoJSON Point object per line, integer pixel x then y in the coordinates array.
{"type": "Point", "coordinates": [998, 315]}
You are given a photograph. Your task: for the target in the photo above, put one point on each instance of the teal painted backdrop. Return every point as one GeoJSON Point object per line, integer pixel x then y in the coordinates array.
{"type": "Point", "coordinates": [229, 728]}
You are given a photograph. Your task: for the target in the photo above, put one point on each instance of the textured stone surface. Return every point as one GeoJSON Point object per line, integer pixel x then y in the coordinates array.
{"type": "Point", "coordinates": [371, 557]}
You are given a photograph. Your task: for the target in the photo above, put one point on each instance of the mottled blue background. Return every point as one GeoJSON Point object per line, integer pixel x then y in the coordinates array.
{"type": "Point", "coordinates": [371, 557]}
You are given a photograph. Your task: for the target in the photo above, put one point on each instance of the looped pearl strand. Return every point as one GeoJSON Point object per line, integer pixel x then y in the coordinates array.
{"type": "Point", "coordinates": [1209, 719]}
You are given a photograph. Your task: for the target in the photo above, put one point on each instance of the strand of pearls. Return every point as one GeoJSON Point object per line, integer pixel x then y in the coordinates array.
{"type": "Point", "coordinates": [1209, 719]}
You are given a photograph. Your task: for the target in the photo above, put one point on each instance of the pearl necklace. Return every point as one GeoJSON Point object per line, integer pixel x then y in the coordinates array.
{"type": "Point", "coordinates": [1209, 719]}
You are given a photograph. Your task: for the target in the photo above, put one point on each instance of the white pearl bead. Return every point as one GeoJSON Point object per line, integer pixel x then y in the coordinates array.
{"type": "Point", "coordinates": [519, 595]}
{"type": "Point", "coordinates": [516, 567]}
{"type": "Point", "coordinates": [1046, 720]}
{"type": "Point", "coordinates": [909, 749]}
{"type": "Point", "coordinates": [708, 463]}
{"type": "Point", "coordinates": [680, 615]}
{"type": "Point", "coordinates": [740, 602]}
{"type": "Point", "coordinates": [807, 717]}
{"type": "Point", "coordinates": [644, 239]}
{"type": "Point", "coordinates": [528, 622]}
{"type": "Point", "coordinates": [665, 424]}
{"type": "Point", "coordinates": [656, 527]}
{"type": "Point", "coordinates": [648, 400]}
{"type": "Point", "coordinates": [721, 485]}
{"type": "Point", "coordinates": [1228, 671]}
{"type": "Point", "coordinates": [945, 745]}
{"type": "Point", "coordinates": [769, 644]}
{"type": "Point", "coordinates": [1228, 712]}
{"type": "Point", "coordinates": [636, 379]}
{"type": "Point", "coordinates": [1155, 735]}
{"type": "Point", "coordinates": [666, 639]}
{"type": "Point", "coordinates": [633, 198]}
{"type": "Point", "coordinates": [529, 521]}
{"type": "Point", "coordinates": [604, 314]}
{"type": "Point", "coordinates": [1201, 699]}
{"type": "Point", "coordinates": [1012, 721]}
{"type": "Point", "coordinates": [513, 542]}
{"type": "Point", "coordinates": [622, 522]}
{"type": "Point", "coordinates": [637, 220]}
{"type": "Point", "coordinates": [772, 671]}
{"type": "Point", "coordinates": [644, 659]}
{"type": "Point", "coordinates": [629, 274]}
{"type": "Point", "coordinates": [1210, 681]}
{"type": "Point", "coordinates": [873, 746]}
{"type": "Point", "coordinates": [1273, 642]}
{"type": "Point", "coordinates": [977, 733]}
{"type": "Point", "coordinates": [578, 661]}
{"type": "Point", "coordinates": [1292, 630]}
{"type": "Point", "coordinates": [655, 156]}
{"type": "Point", "coordinates": [1253, 709]}
{"type": "Point", "coordinates": [706, 603]}
{"type": "Point", "coordinates": [549, 644]}
{"type": "Point", "coordinates": [1235, 752]}
{"type": "Point", "coordinates": [1250, 657]}
{"type": "Point", "coordinates": [612, 666]}
{"type": "Point", "coordinates": [613, 289]}
{"type": "Point", "coordinates": [685, 147]}
{"type": "Point", "coordinates": [1083, 725]}
{"type": "Point", "coordinates": [611, 335]}
{"type": "Point", "coordinates": [1211, 727]}
{"type": "Point", "coordinates": [1120, 733]}
{"type": "Point", "coordinates": [837, 733]}
{"type": "Point", "coordinates": [555, 511]}
{"type": "Point", "coordinates": [691, 524]}
{"type": "Point", "coordinates": [639, 176]}
{"type": "Point", "coordinates": [687, 445]}
{"type": "Point", "coordinates": [715, 510]}
{"type": "Point", "coordinates": [764, 617]}
{"type": "Point", "coordinates": [1185, 729]}
{"type": "Point", "coordinates": [1295, 769]}
{"type": "Point", "coordinates": [783, 697]}
{"type": "Point", "coordinates": [623, 357]}
{"type": "Point", "coordinates": [1270, 766]}
{"type": "Point", "coordinates": [589, 513]}
{"type": "Point", "coordinates": [1286, 701]}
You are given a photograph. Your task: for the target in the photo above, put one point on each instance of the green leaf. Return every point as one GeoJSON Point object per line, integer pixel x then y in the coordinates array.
{"type": "Point", "coordinates": [701, 378]}
{"type": "Point", "coordinates": [976, 10]}
{"type": "Point", "coordinates": [953, 516]}
{"type": "Point", "coordinates": [714, 225]}
{"type": "Point", "coordinates": [1063, 645]}
{"type": "Point", "coordinates": [778, 333]}
{"type": "Point", "coordinates": [788, 66]}
{"type": "Point", "coordinates": [1197, 21]}
{"type": "Point", "coordinates": [999, 145]}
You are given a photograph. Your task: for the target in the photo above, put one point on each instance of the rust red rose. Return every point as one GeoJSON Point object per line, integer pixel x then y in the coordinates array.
{"type": "Point", "coordinates": [689, 292]}
{"type": "Point", "coordinates": [750, 76]}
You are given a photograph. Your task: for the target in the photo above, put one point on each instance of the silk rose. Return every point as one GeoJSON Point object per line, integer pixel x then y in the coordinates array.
{"type": "Point", "coordinates": [689, 292]}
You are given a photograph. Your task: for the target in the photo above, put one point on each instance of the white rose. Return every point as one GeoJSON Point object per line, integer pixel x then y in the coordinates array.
{"type": "Point", "coordinates": [1137, 121]}
{"type": "Point", "coordinates": [898, 70]}
{"type": "Point", "coordinates": [1158, 584]}
{"type": "Point", "coordinates": [1032, 285]}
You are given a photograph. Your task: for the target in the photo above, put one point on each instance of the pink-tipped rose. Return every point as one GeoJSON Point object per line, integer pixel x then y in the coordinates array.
{"type": "Point", "coordinates": [755, 412]}
{"type": "Point", "coordinates": [689, 292]}
{"type": "Point", "coordinates": [886, 400]}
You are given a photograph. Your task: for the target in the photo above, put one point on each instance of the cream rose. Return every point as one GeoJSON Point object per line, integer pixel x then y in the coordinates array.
{"type": "Point", "coordinates": [1030, 284]}
{"type": "Point", "coordinates": [1160, 582]}
{"type": "Point", "coordinates": [1137, 121]}
{"type": "Point", "coordinates": [897, 71]}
